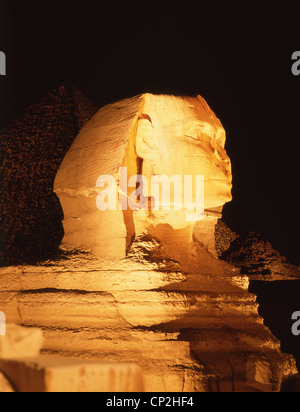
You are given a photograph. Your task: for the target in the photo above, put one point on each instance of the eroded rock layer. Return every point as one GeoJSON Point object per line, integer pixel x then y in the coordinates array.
{"type": "Point", "coordinates": [195, 331]}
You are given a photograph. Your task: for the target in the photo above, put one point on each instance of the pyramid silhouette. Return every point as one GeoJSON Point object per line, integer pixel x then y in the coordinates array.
{"type": "Point", "coordinates": [31, 151]}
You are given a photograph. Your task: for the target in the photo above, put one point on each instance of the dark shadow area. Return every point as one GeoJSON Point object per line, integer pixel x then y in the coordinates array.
{"type": "Point", "coordinates": [31, 151]}
{"type": "Point", "coordinates": [277, 303]}
{"type": "Point", "coordinates": [291, 384]}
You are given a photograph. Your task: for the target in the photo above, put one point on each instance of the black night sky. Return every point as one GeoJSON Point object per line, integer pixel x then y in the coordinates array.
{"type": "Point", "coordinates": [237, 56]}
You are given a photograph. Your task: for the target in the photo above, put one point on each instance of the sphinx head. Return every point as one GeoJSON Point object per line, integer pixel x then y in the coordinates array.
{"type": "Point", "coordinates": [151, 164]}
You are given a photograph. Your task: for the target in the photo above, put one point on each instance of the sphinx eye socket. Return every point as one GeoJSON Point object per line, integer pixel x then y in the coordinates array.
{"type": "Point", "coordinates": [146, 117]}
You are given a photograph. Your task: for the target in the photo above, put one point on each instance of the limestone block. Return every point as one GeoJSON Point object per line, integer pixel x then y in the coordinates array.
{"type": "Point", "coordinates": [71, 375]}
{"type": "Point", "coordinates": [117, 277]}
{"type": "Point", "coordinates": [64, 309]}
{"type": "Point", "coordinates": [259, 372]}
{"type": "Point", "coordinates": [20, 342]}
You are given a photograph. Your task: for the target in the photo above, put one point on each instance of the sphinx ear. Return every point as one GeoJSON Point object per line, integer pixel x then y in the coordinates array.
{"type": "Point", "coordinates": [146, 147]}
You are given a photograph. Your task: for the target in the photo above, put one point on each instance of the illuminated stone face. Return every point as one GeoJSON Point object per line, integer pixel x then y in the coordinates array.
{"type": "Point", "coordinates": [155, 137]}
{"type": "Point", "coordinates": [182, 137]}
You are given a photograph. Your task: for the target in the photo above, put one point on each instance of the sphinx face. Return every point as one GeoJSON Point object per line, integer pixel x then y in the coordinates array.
{"type": "Point", "coordinates": [177, 138]}
{"type": "Point", "coordinates": [181, 137]}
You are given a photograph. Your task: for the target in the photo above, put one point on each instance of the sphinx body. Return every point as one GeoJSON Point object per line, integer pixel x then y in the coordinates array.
{"type": "Point", "coordinates": [152, 291]}
{"type": "Point", "coordinates": [184, 316]}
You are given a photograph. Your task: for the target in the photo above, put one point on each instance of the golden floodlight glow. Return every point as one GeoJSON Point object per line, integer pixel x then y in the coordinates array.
{"type": "Point", "coordinates": [172, 149]}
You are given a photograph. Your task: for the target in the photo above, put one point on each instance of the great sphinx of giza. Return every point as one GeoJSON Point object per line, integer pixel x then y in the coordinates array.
{"type": "Point", "coordinates": [149, 136]}
{"type": "Point", "coordinates": [186, 318]}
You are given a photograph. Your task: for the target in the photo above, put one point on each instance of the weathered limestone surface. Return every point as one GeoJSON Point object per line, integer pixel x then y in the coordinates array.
{"type": "Point", "coordinates": [17, 342]}
{"type": "Point", "coordinates": [20, 342]}
{"type": "Point", "coordinates": [22, 369]}
{"type": "Point", "coordinates": [150, 136]}
{"type": "Point", "coordinates": [71, 375]}
{"type": "Point", "coordinates": [187, 331]}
